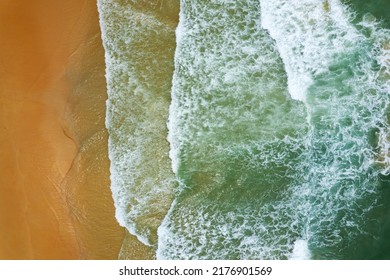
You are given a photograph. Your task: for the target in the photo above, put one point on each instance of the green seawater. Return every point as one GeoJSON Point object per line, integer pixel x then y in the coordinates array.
{"type": "Point", "coordinates": [262, 132]}
{"type": "Point", "coordinates": [377, 246]}
{"type": "Point", "coordinates": [380, 9]}
{"type": "Point", "coordinates": [236, 135]}
{"type": "Point", "coordinates": [263, 175]}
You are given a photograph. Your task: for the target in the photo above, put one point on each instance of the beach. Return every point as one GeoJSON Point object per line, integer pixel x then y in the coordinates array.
{"type": "Point", "coordinates": [194, 129]}
{"type": "Point", "coordinates": [55, 200]}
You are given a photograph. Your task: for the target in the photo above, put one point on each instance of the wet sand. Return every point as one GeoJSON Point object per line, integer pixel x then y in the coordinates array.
{"type": "Point", "coordinates": [55, 201]}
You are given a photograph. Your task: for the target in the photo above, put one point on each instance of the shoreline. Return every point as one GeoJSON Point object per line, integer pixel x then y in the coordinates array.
{"type": "Point", "coordinates": [55, 201]}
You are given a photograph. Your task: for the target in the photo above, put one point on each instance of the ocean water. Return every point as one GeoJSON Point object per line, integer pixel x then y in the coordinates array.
{"type": "Point", "coordinates": [254, 129]}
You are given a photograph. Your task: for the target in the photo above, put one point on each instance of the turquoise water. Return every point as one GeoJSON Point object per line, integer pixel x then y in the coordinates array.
{"type": "Point", "coordinates": [236, 136]}
{"type": "Point", "coordinates": [277, 123]}
{"type": "Point", "coordinates": [337, 69]}
{"type": "Point", "coordinates": [380, 9]}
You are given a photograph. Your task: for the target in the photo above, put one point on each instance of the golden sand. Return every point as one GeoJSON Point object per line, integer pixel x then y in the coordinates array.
{"type": "Point", "coordinates": [55, 201]}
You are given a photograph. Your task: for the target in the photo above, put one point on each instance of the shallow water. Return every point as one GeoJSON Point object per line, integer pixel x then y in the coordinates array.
{"type": "Point", "coordinates": [139, 40]}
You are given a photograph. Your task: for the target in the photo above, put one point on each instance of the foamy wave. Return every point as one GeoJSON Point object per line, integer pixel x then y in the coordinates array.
{"type": "Point", "coordinates": [231, 119]}
{"type": "Point", "coordinates": [308, 34]}
{"type": "Point", "coordinates": [301, 250]}
{"type": "Point", "coordinates": [138, 54]}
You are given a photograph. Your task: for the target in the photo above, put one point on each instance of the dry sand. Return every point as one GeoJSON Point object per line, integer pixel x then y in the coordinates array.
{"type": "Point", "coordinates": [55, 201]}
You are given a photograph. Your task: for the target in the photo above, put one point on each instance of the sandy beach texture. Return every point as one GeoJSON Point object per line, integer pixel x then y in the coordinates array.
{"type": "Point", "coordinates": [55, 201]}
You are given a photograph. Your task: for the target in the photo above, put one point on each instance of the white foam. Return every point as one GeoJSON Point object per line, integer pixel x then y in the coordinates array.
{"type": "Point", "coordinates": [173, 136]}
{"type": "Point", "coordinates": [301, 250]}
{"type": "Point", "coordinates": [308, 36]}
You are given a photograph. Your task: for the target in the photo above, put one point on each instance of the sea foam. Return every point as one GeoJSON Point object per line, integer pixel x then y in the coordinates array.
{"type": "Point", "coordinates": [309, 34]}
{"type": "Point", "coordinates": [139, 48]}
{"type": "Point", "coordinates": [300, 251]}
{"type": "Point", "coordinates": [235, 135]}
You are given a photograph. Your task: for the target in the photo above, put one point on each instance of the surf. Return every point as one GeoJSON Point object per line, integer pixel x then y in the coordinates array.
{"type": "Point", "coordinates": [139, 42]}
{"type": "Point", "coordinates": [235, 136]}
